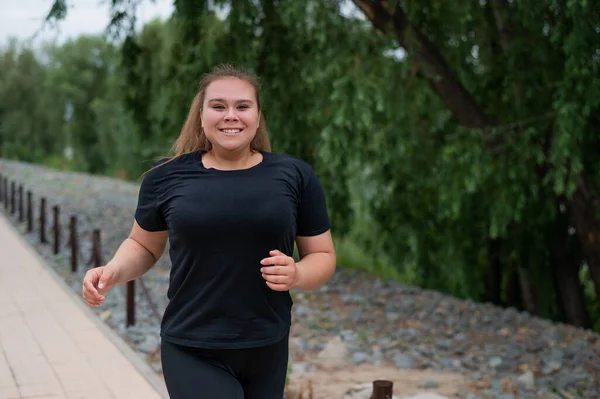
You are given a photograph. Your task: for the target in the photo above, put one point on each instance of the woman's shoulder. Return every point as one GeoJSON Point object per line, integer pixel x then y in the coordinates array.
{"type": "Point", "coordinates": [163, 166]}
{"type": "Point", "coordinates": [288, 159]}
{"type": "Point", "coordinates": [297, 165]}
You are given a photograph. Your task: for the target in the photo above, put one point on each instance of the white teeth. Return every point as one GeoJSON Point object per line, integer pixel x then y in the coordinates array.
{"type": "Point", "coordinates": [232, 130]}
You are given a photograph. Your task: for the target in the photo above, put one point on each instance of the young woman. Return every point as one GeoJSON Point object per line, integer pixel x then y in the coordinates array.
{"type": "Point", "coordinates": [232, 211]}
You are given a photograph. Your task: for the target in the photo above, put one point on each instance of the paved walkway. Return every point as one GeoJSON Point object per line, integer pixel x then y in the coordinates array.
{"type": "Point", "coordinates": [51, 344]}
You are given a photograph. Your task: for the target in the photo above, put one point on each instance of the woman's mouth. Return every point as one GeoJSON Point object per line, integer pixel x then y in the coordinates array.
{"type": "Point", "coordinates": [231, 131]}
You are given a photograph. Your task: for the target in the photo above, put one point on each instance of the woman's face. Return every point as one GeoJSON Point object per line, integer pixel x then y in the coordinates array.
{"type": "Point", "coordinates": [230, 114]}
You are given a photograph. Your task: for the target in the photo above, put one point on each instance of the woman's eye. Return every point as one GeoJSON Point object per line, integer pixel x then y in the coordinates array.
{"type": "Point", "coordinates": [243, 107]}
{"type": "Point", "coordinates": [218, 107]}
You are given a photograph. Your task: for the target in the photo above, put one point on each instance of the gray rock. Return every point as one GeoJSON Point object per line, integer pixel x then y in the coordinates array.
{"type": "Point", "coordinates": [526, 381]}
{"type": "Point", "coordinates": [428, 384]}
{"type": "Point", "coordinates": [360, 357]}
{"type": "Point", "coordinates": [403, 361]}
{"type": "Point", "coordinates": [302, 310]}
{"type": "Point", "coordinates": [150, 344]}
{"type": "Point", "coordinates": [551, 365]}
{"type": "Point", "coordinates": [335, 353]}
{"type": "Point", "coordinates": [444, 343]}
{"type": "Point", "coordinates": [495, 361]}
{"type": "Point", "coordinates": [460, 337]}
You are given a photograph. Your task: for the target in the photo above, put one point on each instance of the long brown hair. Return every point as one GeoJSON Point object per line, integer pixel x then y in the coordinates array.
{"type": "Point", "coordinates": [192, 137]}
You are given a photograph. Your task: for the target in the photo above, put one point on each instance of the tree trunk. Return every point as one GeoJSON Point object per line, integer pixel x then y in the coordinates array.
{"type": "Point", "coordinates": [494, 288]}
{"type": "Point", "coordinates": [528, 292]}
{"type": "Point", "coordinates": [566, 264]}
{"type": "Point", "coordinates": [513, 291]}
{"type": "Point", "coordinates": [583, 218]}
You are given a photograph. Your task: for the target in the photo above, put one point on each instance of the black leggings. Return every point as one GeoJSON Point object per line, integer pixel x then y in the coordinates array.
{"type": "Point", "coordinates": [253, 373]}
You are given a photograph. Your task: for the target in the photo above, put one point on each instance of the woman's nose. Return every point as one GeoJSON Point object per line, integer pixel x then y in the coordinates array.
{"type": "Point", "coordinates": [231, 115]}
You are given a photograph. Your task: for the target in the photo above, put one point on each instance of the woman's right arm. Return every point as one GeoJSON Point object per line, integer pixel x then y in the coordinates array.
{"type": "Point", "coordinates": [137, 254]}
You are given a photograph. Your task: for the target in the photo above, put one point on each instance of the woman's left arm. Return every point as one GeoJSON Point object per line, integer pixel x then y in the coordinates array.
{"type": "Point", "coordinates": [317, 261]}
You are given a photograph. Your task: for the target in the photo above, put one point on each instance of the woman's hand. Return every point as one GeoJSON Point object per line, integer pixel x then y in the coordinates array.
{"type": "Point", "coordinates": [96, 283]}
{"type": "Point", "coordinates": [279, 271]}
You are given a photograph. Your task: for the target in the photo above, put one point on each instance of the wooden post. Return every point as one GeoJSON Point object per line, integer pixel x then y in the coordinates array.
{"type": "Point", "coordinates": [29, 212]}
{"type": "Point", "coordinates": [21, 213]}
{"type": "Point", "coordinates": [43, 221]}
{"type": "Point", "coordinates": [56, 210]}
{"type": "Point", "coordinates": [382, 389]}
{"type": "Point", "coordinates": [6, 193]}
{"type": "Point", "coordinates": [130, 303]}
{"type": "Point", "coordinates": [96, 249]}
{"type": "Point", "coordinates": [73, 242]}
{"type": "Point", "coordinates": [13, 191]}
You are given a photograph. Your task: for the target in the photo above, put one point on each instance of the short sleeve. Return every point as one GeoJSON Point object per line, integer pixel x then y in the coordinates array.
{"type": "Point", "coordinates": [148, 213]}
{"type": "Point", "coordinates": [313, 218]}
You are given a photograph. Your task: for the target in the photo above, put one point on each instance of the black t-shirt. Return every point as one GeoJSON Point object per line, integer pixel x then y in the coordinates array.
{"type": "Point", "coordinates": [221, 224]}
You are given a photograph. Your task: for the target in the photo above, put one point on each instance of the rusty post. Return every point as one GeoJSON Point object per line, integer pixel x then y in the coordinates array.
{"type": "Point", "coordinates": [6, 193]}
{"type": "Point", "coordinates": [21, 213]}
{"type": "Point", "coordinates": [130, 303]}
{"type": "Point", "coordinates": [43, 221]}
{"type": "Point", "coordinates": [29, 212]}
{"type": "Point", "coordinates": [56, 210]}
{"type": "Point", "coordinates": [96, 249]}
{"type": "Point", "coordinates": [13, 191]}
{"type": "Point", "coordinates": [73, 243]}
{"type": "Point", "coordinates": [382, 389]}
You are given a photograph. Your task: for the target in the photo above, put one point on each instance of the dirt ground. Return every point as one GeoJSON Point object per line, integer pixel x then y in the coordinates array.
{"type": "Point", "coordinates": [330, 383]}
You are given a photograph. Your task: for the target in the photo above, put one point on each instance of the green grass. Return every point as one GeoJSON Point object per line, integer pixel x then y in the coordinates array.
{"type": "Point", "coordinates": [350, 255]}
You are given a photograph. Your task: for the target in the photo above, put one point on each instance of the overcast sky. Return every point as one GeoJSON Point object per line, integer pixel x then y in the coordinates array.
{"type": "Point", "coordinates": [22, 18]}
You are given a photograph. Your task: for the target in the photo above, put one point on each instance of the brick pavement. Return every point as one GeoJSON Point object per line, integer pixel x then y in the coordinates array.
{"type": "Point", "coordinates": [51, 345]}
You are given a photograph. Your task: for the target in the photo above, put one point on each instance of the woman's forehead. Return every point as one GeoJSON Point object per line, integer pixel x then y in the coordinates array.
{"type": "Point", "coordinates": [230, 89]}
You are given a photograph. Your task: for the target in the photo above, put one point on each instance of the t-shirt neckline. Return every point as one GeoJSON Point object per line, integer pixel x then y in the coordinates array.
{"type": "Point", "coordinates": [231, 171]}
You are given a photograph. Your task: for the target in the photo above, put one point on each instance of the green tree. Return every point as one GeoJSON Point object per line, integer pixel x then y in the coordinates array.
{"type": "Point", "coordinates": [79, 72]}
{"type": "Point", "coordinates": [29, 125]}
{"type": "Point", "coordinates": [471, 162]}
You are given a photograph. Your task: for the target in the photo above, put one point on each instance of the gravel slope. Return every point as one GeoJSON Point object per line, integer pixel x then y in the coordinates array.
{"type": "Point", "coordinates": [355, 322]}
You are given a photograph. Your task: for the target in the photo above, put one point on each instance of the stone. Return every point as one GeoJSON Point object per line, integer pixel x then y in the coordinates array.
{"type": "Point", "coordinates": [334, 353]}
{"type": "Point", "coordinates": [403, 361]}
{"type": "Point", "coordinates": [551, 366]}
{"type": "Point", "coordinates": [302, 310]}
{"type": "Point", "coordinates": [360, 357]}
{"type": "Point", "coordinates": [495, 361]}
{"type": "Point", "coordinates": [526, 381]}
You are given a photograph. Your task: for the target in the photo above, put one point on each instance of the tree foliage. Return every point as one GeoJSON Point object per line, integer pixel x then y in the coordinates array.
{"type": "Point", "coordinates": [457, 142]}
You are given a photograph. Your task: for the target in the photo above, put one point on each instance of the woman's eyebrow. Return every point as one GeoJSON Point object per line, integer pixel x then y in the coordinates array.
{"type": "Point", "coordinates": [223, 100]}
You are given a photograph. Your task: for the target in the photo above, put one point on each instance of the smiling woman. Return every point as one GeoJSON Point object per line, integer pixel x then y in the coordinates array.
{"type": "Point", "coordinates": [230, 119]}
{"type": "Point", "coordinates": [232, 211]}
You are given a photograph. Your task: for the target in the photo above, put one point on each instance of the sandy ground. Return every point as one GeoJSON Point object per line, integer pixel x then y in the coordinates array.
{"type": "Point", "coordinates": [328, 383]}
